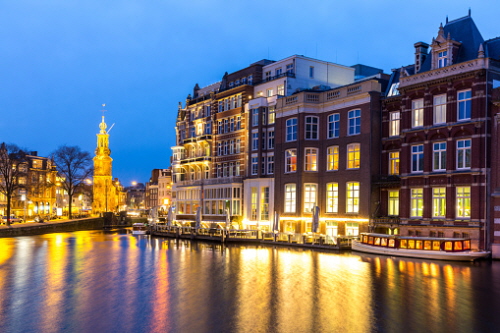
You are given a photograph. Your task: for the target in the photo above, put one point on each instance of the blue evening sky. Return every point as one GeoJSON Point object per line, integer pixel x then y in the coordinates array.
{"type": "Point", "coordinates": [61, 59]}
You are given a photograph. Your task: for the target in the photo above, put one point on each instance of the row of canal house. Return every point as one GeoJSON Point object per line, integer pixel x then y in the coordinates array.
{"type": "Point", "coordinates": [412, 153]}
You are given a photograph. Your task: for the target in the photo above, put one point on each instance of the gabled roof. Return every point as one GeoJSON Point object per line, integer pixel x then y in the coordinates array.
{"type": "Point", "coordinates": [462, 30]}
{"type": "Point", "coordinates": [492, 48]}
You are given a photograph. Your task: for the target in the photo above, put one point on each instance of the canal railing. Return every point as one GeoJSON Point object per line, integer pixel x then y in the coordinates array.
{"type": "Point", "coordinates": [310, 240]}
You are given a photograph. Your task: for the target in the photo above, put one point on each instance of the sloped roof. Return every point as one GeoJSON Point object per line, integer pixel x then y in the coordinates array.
{"type": "Point", "coordinates": [492, 48]}
{"type": "Point", "coordinates": [462, 30]}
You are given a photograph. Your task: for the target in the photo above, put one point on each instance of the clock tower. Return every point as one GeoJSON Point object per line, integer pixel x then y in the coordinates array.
{"type": "Point", "coordinates": [104, 189]}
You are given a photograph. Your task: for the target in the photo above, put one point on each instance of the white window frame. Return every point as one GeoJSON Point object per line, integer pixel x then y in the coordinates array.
{"type": "Point", "coordinates": [290, 198]}
{"type": "Point", "coordinates": [332, 158]}
{"type": "Point", "coordinates": [310, 197]}
{"type": "Point", "coordinates": [353, 156]}
{"type": "Point", "coordinates": [291, 129]}
{"type": "Point", "coordinates": [332, 197]}
{"type": "Point", "coordinates": [354, 122]}
{"type": "Point", "coordinates": [417, 158]}
{"type": "Point", "coordinates": [464, 153]}
{"type": "Point", "coordinates": [416, 202]}
{"type": "Point", "coordinates": [394, 163]}
{"type": "Point", "coordinates": [352, 197]}
{"type": "Point", "coordinates": [417, 113]}
{"type": "Point", "coordinates": [439, 156]}
{"type": "Point", "coordinates": [464, 102]}
{"type": "Point", "coordinates": [291, 160]}
{"type": "Point", "coordinates": [333, 126]}
{"type": "Point", "coordinates": [311, 128]}
{"type": "Point", "coordinates": [439, 109]}
{"type": "Point", "coordinates": [463, 202]}
{"type": "Point", "coordinates": [394, 123]}
{"type": "Point", "coordinates": [310, 159]}
{"type": "Point", "coordinates": [439, 202]}
{"type": "Point", "coordinates": [393, 202]}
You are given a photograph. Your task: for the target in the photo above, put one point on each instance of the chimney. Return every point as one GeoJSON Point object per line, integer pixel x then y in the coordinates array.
{"type": "Point", "coordinates": [420, 54]}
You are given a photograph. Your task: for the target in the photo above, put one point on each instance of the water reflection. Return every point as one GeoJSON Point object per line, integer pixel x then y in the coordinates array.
{"type": "Point", "coordinates": [107, 282]}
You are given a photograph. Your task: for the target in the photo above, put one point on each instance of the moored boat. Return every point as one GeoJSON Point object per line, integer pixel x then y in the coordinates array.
{"type": "Point", "coordinates": [139, 229]}
{"type": "Point", "coordinates": [458, 249]}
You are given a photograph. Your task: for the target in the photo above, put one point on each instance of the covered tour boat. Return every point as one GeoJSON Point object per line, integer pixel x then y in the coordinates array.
{"type": "Point", "coordinates": [139, 229]}
{"type": "Point", "coordinates": [418, 247]}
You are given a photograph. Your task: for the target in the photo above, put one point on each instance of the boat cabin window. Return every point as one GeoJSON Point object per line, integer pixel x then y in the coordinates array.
{"type": "Point", "coordinates": [383, 242]}
{"type": "Point", "coordinates": [404, 244]}
{"type": "Point", "coordinates": [418, 245]}
{"type": "Point", "coordinates": [427, 245]}
{"type": "Point", "coordinates": [467, 245]}
{"type": "Point", "coordinates": [392, 243]}
{"type": "Point", "coordinates": [458, 246]}
{"type": "Point", "coordinates": [411, 244]}
{"type": "Point", "coordinates": [377, 241]}
{"type": "Point", "coordinates": [436, 245]}
{"type": "Point", "coordinates": [448, 246]}
{"type": "Point", "coordinates": [365, 239]}
{"type": "Point", "coordinates": [370, 240]}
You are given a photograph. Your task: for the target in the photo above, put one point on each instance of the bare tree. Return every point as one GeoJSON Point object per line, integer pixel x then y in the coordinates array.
{"type": "Point", "coordinates": [11, 158]}
{"type": "Point", "coordinates": [73, 166]}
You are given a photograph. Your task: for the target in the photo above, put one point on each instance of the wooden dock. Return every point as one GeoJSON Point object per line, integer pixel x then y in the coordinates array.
{"type": "Point", "coordinates": [317, 241]}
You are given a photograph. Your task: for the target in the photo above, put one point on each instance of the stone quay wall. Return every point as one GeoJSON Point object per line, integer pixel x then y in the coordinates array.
{"type": "Point", "coordinates": [30, 229]}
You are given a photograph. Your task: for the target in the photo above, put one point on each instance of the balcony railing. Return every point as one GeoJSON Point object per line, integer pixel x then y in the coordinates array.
{"type": "Point", "coordinates": [386, 220]}
{"type": "Point", "coordinates": [286, 74]}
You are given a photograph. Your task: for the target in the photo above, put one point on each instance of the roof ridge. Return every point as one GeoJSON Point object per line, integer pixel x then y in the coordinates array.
{"type": "Point", "coordinates": [491, 39]}
{"type": "Point", "coordinates": [458, 19]}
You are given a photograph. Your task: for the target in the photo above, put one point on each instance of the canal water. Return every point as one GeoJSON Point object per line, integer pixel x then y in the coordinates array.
{"type": "Point", "coordinates": [94, 281]}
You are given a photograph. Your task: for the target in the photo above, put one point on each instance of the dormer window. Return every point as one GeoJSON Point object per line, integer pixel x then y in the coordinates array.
{"type": "Point", "coordinates": [442, 59]}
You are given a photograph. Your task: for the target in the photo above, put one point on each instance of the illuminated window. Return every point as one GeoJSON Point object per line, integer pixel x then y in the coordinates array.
{"type": "Point", "coordinates": [291, 129]}
{"type": "Point", "coordinates": [311, 128]}
{"type": "Point", "coordinates": [264, 204]}
{"type": "Point", "coordinates": [463, 154]}
{"type": "Point", "coordinates": [394, 121]}
{"type": "Point", "coordinates": [393, 208]}
{"type": "Point", "coordinates": [440, 109]}
{"type": "Point", "coordinates": [281, 90]}
{"type": "Point", "coordinates": [352, 196]}
{"type": "Point", "coordinates": [270, 92]}
{"type": "Point", "coordinates": [417, 158]}
{"type": "Point", "coordinates": [290, 160]}
{"type": "Point", "coordinates": [394, 163]}
{"type": "Point", "coordinates": [311, 159]}
{"type": "Point", "coordinates": [463, 202]}
{"type": "Point", "coordinates": [332, 198]}
{"type": "Point", "coordinates": [442, 59]}
{"type": "Point", "coordinates": [352, 229]}
{"type": "Point", "coordinates": [417, 113]}
{"type": "Point", "coordinates": [332, 158]}
{"type": "Point", "coordinates": [354, 121]}
{"type": "Point", "coordinates": [309, 197]}
{"type": "Point", "coordinates": [439, 156]}
{"type": "Point", "coordinates": [464, 104]}
{"type": "Point", "coordinates": [271, 115]}
{"type": "Point", "coordinates": [290, 198]}
{"type": "Point", "coordinates": [417, 202]}
{"type": "Point", "coordinates": [333, 126]}
{"type": "Point", "coordinates": [353, 156]}
{"type": "Point", "coordinates": [253, 207]}
{"type": "Point", "coordinates": [439, 201]}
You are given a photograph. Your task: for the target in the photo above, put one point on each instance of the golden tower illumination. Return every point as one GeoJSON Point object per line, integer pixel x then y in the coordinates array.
{"type": "Point", "coordinates": [105, 199]}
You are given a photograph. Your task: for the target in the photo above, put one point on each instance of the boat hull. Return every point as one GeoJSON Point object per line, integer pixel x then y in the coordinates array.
{"type": "Point", "coordinates": [422, 254]}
